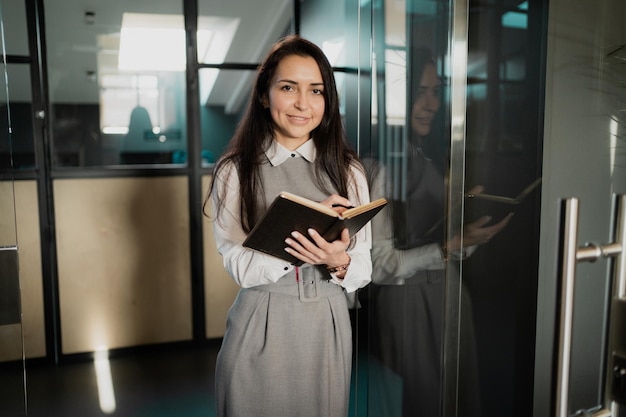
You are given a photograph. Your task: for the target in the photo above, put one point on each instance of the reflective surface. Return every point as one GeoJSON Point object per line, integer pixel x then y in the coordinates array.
{"type": "Point", "coordinates": [425, 312]}
{"type": "Point", "coordinates": [12, 377]}
{"type": "Point", "coordinates": [116, 84]}
{"type": "Point", "coordinates": [499, 301]}
{"type": "Point", "coordinates": [218, 121]}
{"type": "Point", "coordinates": [19, 153]}
{"type": "Point", "coordinates": [503, 154]}
{"type": "Point", "coordinates": [117, 77]}
{"type": "Point", "coordinates": [407, 299]}
{"type": "Point", "coordinates": [583, 159]}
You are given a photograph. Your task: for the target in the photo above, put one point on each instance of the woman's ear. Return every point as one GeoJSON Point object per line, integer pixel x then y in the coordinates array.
{"type": "Point", "coordinates": [265, 102]}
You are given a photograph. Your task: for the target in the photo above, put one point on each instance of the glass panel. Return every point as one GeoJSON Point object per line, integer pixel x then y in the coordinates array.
{"type": "Point", "coordinates": [117, 84]}
{"type": "Point", "coordinates": [227, 35]}
{"type": "Point", "coordinates": [411, 121]}
{"type": "Point", "coordinates": [220, 108]}
{"type": "Point", "coordinates": [342, 30]}
{"type": "Point", "coordinates": [240, 31]}
{"type": "Point", "coordinates": [20, 152]}
{"type": "Point", "coordinates": [503, 153]}
{"type": "Point", "coordinates": [17, 43]}
{"type": "Point", "coordinates": [12, 365]}
{"type": "Point", "coordinates": [8, 234]}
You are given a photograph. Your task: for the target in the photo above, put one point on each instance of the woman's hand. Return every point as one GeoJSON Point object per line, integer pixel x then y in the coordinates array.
{"type": "Point", "coordinates": [476, 233]}
{"type": "Point", "coordinates": [322, 252]}
{"type": "Point", "coordinates": [337, 203]}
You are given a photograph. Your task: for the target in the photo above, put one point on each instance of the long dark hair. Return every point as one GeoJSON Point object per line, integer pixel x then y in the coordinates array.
{"type": "Point", "coordinates": [256, 130]}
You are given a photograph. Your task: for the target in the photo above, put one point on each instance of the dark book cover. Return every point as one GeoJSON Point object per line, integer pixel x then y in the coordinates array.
{"type": "Point", "coordinates": [289, 213]}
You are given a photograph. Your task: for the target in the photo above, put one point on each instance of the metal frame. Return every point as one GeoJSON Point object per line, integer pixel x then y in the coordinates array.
{"type": "Point", "coordinates": [458, 86]}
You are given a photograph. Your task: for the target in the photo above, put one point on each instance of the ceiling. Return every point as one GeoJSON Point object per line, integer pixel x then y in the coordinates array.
{"type": "Point", "coordinates": [73, 27]}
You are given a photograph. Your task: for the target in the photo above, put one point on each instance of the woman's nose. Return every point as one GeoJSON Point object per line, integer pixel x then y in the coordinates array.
{"type": "Point", "coordinates": [432, 102]}
{"type": "Point", "coordinates": [302, 101]}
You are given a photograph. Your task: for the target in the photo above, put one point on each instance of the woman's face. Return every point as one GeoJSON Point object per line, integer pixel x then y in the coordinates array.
{"type": "Point", "coordinates": [296, 100]}
{"type": "Point", "coordinates": [426, 103]}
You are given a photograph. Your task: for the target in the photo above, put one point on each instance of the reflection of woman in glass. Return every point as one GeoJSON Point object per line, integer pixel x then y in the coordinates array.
{"type": "Point", "coordinates": [410, 255]}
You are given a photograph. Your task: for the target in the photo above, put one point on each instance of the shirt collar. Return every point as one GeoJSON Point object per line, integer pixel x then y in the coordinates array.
{"type": "Point", "coordinates": [277, 153]}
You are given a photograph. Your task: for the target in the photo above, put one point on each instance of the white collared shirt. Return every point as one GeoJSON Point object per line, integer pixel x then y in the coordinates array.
{"type": "Point", "coordinates": [250, 268]}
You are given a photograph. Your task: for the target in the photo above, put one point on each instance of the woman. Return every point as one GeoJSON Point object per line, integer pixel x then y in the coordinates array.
{"type": "Point", "coordinates": [287, 349]}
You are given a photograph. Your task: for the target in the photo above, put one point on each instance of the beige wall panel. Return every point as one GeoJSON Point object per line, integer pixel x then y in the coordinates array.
{"type": "Point", "coordinates": [29, 253]}
{"type": "Point", "coordinates": [7, 215]}
{"type": "Point", "coordinates": [219, 288]}
{"type": "Point", "coordinates": [123, 260]}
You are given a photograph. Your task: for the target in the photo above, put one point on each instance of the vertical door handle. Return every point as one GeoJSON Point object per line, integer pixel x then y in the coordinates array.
{"type": "Point", "coordinates": [567, 273]}
{"type": "Point", "coordinates": [570, 254]}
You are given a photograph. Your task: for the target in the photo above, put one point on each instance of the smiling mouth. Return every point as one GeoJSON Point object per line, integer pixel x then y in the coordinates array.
{"type": "Point", "coordinates": [299, 118]}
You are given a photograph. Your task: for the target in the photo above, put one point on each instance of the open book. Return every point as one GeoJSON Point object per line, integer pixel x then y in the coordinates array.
{"type": "Point", "coordinates": [496, 206]}
{"type": "Point", "coordinates": [289, 212]}
{"type": "Point", "coordinates": [480, 204]}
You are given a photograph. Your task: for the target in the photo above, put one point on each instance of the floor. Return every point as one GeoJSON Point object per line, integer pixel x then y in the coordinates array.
{"type": "Point", "coordinates": [160, 381]}
{"type": "Point", "coordinates": [165, 382]}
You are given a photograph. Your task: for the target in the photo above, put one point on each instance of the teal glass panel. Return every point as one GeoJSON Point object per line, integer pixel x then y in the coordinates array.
{"type": "Point", "coordinates": [117, 84]}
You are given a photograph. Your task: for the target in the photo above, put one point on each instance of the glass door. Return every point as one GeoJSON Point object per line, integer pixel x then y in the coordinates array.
{"type": "Point", "coordinates": [12, 365]}
{"type": "Point", "coordinates": [528, 99]}
{"type": "Point", "coordinates": [416, 162]}
{"type": "Point", "coordinates": [457, 149]}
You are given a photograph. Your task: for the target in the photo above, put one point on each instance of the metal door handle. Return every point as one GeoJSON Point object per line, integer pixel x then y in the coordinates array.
{"type": "Point", "coordinates": [570, 254]}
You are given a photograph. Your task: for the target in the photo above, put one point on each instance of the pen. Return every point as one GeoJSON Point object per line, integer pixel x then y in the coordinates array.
{"type": "Point", "coordinates": [341, 205]}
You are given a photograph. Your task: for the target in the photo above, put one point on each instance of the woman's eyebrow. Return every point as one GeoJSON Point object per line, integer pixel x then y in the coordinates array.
{"type": "Point", "coordinates": [286, 80]}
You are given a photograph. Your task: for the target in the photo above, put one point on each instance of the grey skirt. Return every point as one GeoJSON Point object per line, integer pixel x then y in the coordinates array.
{"type": "Point", "coordinates": [287, 350]}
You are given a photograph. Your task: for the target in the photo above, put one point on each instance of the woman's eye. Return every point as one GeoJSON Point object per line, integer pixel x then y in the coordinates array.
{"type": "Point", "coordinates": [318, 91]}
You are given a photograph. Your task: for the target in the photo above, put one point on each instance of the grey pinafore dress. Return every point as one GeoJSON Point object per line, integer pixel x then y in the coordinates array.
{"type": "Point", "coordinates": [288, 346]}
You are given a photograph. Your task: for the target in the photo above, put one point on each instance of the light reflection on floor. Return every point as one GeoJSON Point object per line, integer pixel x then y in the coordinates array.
{"type": "Point", "coordinates": [106, 392]}
{"type": "Point", "coordinates": [155, 382]}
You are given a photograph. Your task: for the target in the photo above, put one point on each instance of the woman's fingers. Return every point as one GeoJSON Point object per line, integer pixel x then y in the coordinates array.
{"type": "Point", "coordinates": [318, 251]}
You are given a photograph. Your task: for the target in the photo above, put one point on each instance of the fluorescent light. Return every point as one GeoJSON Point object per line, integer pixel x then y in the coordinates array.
{"type": "Point", "coordinates": [152, 42]}
{"type": "Point", "coordinates": [156, 42]}
{"type": "Point", "coordinates": [115, 130]}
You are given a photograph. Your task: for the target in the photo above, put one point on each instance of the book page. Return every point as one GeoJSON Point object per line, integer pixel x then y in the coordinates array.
{"type": "Point", "coordinates": [361, 209]}
{"type": "Point", "coordinates": [309, 203]}
{"type": "Point", "coordinates": [355, 211]}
